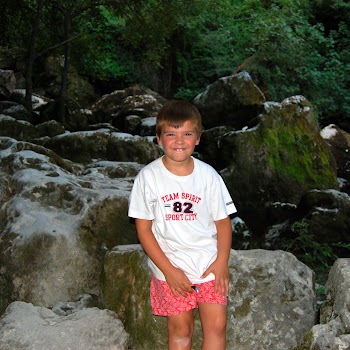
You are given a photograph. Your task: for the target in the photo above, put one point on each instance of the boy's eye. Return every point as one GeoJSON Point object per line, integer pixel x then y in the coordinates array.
{"type": "Point", "coordinates": [169, 134]}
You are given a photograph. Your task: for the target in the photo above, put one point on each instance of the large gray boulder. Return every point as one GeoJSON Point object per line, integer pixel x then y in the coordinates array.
{"type": "Point", "coordinates": [233, 100]}
{"type": "Point", "coordinates": [87, 146]}
{"type": "Point", "coordinates": [25, 326]}
{"type": "Point", "coordinates": [23, 130]}
{"type": "Point", "coordinates": [134, 100]}
{"type": "Point", "coordinates": [57, 221]}
{"type": "Point", "coordinates": [318, 230]}
{"type": "Point", "coordinates": [327, 214]}
{"type": "Point", "coordinates": [18, 129]}
{"type": "Point", "coordinates": [333, 333]}
{"type": "Point", "coordinates": [271, 300]}
{"type": "Point", "coordinates": [278, 160]}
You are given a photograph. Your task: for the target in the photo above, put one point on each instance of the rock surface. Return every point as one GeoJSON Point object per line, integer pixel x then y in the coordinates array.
{"type": "Point", "coordinates": [24, 326]}
{"type": "Point", "coordinates": [334, 330]}
{"type": "Point", "coordinates": [233, 100]}
{"type": "Point", "coordinates": [271, 300]}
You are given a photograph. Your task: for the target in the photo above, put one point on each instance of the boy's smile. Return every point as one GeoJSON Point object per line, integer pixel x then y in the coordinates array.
{"type": "Point", "coordinates": [178, 145]}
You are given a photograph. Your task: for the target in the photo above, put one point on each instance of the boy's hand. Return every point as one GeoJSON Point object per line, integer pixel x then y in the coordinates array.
{"type": "Point", "coordinates": [221, 272]}
{"type": "Point", "coordinates": [178, 282]}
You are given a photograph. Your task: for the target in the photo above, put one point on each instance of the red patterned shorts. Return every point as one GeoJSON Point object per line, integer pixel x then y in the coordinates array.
{"type": "Point", "coordinates": [165, 303]}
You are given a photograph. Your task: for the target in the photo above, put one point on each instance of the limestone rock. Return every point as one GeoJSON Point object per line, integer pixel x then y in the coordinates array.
{"type": "Point", "coordinates": [57, 220]}
{"type": "Point", "coordinates": [323, 217]}
{"type": "Point", "coordinates": [276, 161]}
{"type": "Point", "coordinates": [209, 146]}
{"type": "Point", "coordinates": [233, 100]}
{"type": "Point", "coordinates": [148, 126]}
{"type": "Point", "coordinates": [271, 299]}
{"type": "Point", "coordinates": [50, 128]}
{"type": "Point", "coordinates": [19, 112]}
{"type": "Point", "coordinates": [132, 124]}
{"type": "Point", "coordinates": [18, 129]}
{"type": "Point", "coordinates": [134, 100]}
{"type": "Point", "coordinates": [334, 331]}
{"type": "Point", "coordinates": [87, 146]}
{"type": "Point", "coordinates": [38, 101]}
{"type": "Point", "coordinates": [327, 213]}
{"type": "Point", "coordinates": [29, 327]}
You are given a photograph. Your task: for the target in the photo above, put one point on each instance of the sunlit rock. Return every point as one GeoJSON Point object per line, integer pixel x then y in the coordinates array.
{"type": "Point", "coordinates": [271, 301]}
{"type": "Point", "coordinates": [29, 327]}
{"type": "Point", "coordinates": [333, 332]}
{"type": "Point", "coordinates": [58, 220]}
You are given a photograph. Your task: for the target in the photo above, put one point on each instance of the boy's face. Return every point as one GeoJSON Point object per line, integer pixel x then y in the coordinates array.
{"type": "Point", "coordinates": [178, 143]}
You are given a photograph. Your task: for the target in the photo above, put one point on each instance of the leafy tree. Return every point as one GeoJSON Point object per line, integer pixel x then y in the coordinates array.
{"type": "Point", "coordinates": [178, 47]}
{"type": "Point", "coordinates": [288, 54]}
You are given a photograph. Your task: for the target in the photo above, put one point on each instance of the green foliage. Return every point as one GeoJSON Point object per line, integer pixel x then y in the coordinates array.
{"type": "Point", "coordinates": [288, 53]}
{"type": "Point", "coordinates": [204, 48]}
{"type": "Point", "coordinates": [179, 47]}
{"type": "Point", "coordinates": [319, 256]}
{"type": "Point", "coordinates": [103, 57]}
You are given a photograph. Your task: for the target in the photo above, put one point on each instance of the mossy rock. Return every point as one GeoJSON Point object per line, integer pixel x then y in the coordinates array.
{"type": "Point", "coordinates": [18, 129]}
{"type": "Point", "coordinates": [279, 160]}
{"type": "Point", "coordinates": [125, 286]}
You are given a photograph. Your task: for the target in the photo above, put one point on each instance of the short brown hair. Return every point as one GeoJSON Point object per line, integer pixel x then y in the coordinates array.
{"type": "Point", "coordinates": [175, 113]}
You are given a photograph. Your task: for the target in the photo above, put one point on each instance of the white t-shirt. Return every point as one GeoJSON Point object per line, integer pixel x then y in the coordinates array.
{"type": "Point", "coordinates": [183, 210]}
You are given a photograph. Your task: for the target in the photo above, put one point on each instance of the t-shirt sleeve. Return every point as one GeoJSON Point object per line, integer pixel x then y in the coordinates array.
{"type": "Point", "coordinates": [140, 199]}
{"type": "Point", "coordinates": [223, 203]}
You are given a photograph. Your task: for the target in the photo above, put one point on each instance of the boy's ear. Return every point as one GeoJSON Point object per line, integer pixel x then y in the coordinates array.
{"type": "Point", "coordinates": [159, 141]}
{"type": "Point", "coordinates": [198, 140]}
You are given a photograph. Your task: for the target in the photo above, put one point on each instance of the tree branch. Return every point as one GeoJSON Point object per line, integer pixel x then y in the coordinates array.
{"type": "Point", "coordinates": [59, 44]}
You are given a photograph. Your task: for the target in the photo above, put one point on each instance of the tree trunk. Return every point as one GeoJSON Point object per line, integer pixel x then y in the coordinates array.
{"type": "Point", "coordinates": [31, 55]}
{"type": "Point", "coordinates": [65, 81]}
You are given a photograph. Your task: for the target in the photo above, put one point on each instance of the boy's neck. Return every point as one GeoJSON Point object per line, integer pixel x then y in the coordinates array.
{"type": "Point", "coordinates": [179, 168]}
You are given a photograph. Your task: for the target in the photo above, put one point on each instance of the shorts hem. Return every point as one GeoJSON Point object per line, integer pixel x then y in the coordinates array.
{"type": "Point", "coordinates": [164, 303]}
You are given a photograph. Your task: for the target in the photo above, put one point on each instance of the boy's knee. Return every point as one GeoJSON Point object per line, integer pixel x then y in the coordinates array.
{"type": "Point", "coordinates": [182, 341]}
{"type": "Point", "coordinates": [181, 332]}
{"type": "Point", "coordinates": [218, 326]}
{"type": "Point", "coordinates": [180, 336]}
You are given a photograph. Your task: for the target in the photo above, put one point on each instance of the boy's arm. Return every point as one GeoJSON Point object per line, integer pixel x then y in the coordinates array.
{"type": "Point", "coordinates": [177, 280]}
{"type": "Point", "coordinates": [220, 266]}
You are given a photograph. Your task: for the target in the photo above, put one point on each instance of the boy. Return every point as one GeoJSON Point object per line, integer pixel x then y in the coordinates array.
{"type": "Point", "coordinates": [181, 208]}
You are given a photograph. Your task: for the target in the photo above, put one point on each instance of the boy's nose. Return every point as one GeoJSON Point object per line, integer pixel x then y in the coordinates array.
{"type": "Point", "coordinates": [179, 139]}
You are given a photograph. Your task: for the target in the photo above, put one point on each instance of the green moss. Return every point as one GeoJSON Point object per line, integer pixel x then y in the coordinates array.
{"type": "Point", "coordinates": [242, 310]}
{"type": "Point", "coordinates": [56, 195]}
{"type": "Point", "coordinates": [125, 286]}
{"type": "Point", "coordinates": [6, 284]}
{"type": "Point", "coordinates": [126, 291]}
{"type": "Point", "coordinates": [107, 223]}
{"type": "Point", "coordinates": [292, 153]}
{"type": "Point", "coordinates": [30, 254]}
{"type": "Point", "coordinates": [258, 274]}
{"type": "Point", "coordinates": [307, 343]}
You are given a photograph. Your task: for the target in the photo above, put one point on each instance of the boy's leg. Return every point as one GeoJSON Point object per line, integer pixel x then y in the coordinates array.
{"type": "Point", "coordinates": [180, 330]}
{"type": "Point", "coordinates": [213, 318]}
